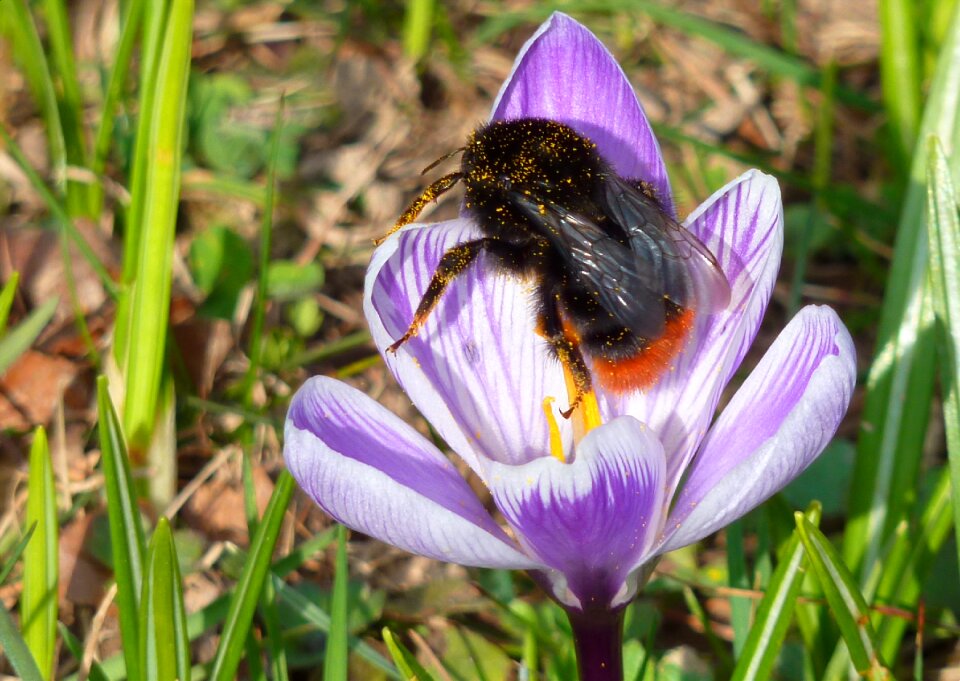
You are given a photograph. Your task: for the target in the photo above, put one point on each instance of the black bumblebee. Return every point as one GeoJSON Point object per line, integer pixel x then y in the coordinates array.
{"type": "Point", "coordinates": [618, 281]}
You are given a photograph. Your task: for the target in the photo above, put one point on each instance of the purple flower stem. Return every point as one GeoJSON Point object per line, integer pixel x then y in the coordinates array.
{"type": "Point", "coordinates": [598, 638]}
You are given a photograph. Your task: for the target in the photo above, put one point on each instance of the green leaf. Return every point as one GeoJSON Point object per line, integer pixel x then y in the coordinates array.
{"type": "Point", "coordinates": [775, 612]}
{"type": "Point", "coordinates": [6, 300]}
{"type": "Point", "coordinates": [41, 564]}
{"type": "Point", "coordinates": [850, 610]}
{"type": "Point", "coordinates": [405, 660]}
{"type": "Point", "coordinates": [287, 280]}
{"type": "Point", "coordinates": [335, 657]}
{"type": "Point", "coordinates": [243, 603]}
{"type": "Point", "coordinates": [15, 648]}
{"type": "Point", "coordinates": [221, 263]}
{"type": "Point", "coordinates": [126, 531]}
{"type": "Point", "coordinates": [944, 232]}
{"type": "Point", "coordinates": [21, 337]}
{"type": "Point", "coordinates": [164, 646]}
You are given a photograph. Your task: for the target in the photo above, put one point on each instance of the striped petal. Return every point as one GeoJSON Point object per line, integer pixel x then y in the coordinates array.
{"type": "Point", "coordinates": [777, 423]}
{"type": "Point", "coordinates": [477, 370]}
{"type": "Point", "coordinates": [375, 474]}
{"type": "Point", "coordinates": [591, 520]}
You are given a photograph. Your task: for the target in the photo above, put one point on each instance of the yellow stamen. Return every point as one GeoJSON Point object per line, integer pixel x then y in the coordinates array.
{"type": "Point", "coordinates": [586, 415]}
{"type": "Point", "coordinates": [556, 444]}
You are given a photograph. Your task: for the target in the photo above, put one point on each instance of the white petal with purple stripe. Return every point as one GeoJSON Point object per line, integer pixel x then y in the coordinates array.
{"type": "Point", "coordinates": [477, 370]}
{"type": "Point", "coordinates": [374, 473]}
{"type": "Point", "coordinates": [594, 519]}
{"type": "Point", "coordinates": [777, 423]}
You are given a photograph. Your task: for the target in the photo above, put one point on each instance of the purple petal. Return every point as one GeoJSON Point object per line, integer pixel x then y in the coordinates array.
{"type": "Point", "coordinates": [477, 370]}
{"type": "Point", "coordinates": [565, 74]}
{"type": "Point", "coordinates": [778, 422]}
{"type": "Point", "coordinates": [375, 474]}
{"type": "Point", "coordinates": [591, 520]}
{"type": "Point", "coordinates": [742, 224]}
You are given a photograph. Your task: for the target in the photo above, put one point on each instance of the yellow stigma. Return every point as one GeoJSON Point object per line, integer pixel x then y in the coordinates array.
{"type": "Point", "coordinates": [585, 417]}
{"type": "Point", "coordinates": [556, 444]}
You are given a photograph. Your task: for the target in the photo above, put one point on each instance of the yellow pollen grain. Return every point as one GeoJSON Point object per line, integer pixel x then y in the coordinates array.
{"type": "Point", "coordinates": [556, 444]}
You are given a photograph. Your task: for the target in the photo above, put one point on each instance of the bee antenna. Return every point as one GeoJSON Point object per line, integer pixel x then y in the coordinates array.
{"type": "Point", "coordinates": [441, 160]}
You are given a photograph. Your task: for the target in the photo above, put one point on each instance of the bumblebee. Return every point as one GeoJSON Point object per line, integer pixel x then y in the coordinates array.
{"type": "Point", "coordinates": [618, 281]}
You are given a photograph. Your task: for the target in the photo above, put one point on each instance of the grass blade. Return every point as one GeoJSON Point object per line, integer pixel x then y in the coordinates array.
{"type": "Point", "coordinates": [15, 554]}
{"type": "Point", "coordinates": [909, 562]}
{"type": "Point", "coordinates": [58, 211]}
{"type": "Point", "coordinates": [247, 591]}
{"type": "Point", "coordinates": [944, 226]}
{"type": "Point", "coordinates": [336, 655]}
{"type": "Point", "coordinates": [164, 647]}
{"type": "Point", "coordinates": [6, 300]}
{"type": "Point", "coordinates": [15, 648]}
{"type": "Point", "coordinates": [775, 612]}
{"type": "Point", "coordinates": [22, 32]}
{"type": "Point", "coordinates": [150, 303]}
{"type": "Point", "coordinates": [73, 644]}
{"type": "Point", "coordinates": [71, 105]}
{"type": "Point", "coordinates": [845, 600]}
{"type": "Point", "coordinates": [891, 437]}
{"type": "Point", "coordinates": [266, 233]}
{"type": "Point", "coordinates": [405, 660]}
{"type": "Point", "coordinates": [321, 620]}
{"type": "Point", "coordinates": [126, 531]}
{"type": "Point", "coordinates": [22, 336]}
{"type": "Point", "coordinates": [115, 86]}
{"type": "Point", "coordinates": [41, 565]}
{"type": "Point", "coordinates": [900, 75]}
{"type": "Point", "coordinates": [417, 24]}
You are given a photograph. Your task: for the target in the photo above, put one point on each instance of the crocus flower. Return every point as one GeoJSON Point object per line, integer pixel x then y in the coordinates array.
{"type": "Point", "coordinates": [588, 513]}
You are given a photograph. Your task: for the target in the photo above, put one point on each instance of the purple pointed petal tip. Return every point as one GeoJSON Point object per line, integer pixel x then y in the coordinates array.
{"type": "Point", "coordinates": [566, 74]}
{"type": "Point", "coordinates": [375, 474]}
{"type": "Point", "coordinates": [777, 423]}
{"type": "Point", "coordinates": [592, 520]}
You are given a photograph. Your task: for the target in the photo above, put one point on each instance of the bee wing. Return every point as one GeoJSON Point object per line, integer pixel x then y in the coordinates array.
{"type": "Point", "coordinates": [627, 286]}
{"type": "Point", "coordinates": [689, 274]}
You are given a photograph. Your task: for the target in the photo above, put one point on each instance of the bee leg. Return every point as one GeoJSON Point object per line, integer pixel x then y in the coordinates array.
{"type": "Point", "coordinates": [566, 346]}
{"type": "Point", "coordinates": [431, 193]}
{"type": "Point", "coordinates": [451, 265]}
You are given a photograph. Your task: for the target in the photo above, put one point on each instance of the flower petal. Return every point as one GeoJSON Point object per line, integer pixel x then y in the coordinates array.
{"type": "Point", "coordinates": [591, 520]}
{"type": "Point", "coordinates": [565, 74]}
{"type": "Point", "coordinates": [779, 421]}
{"type": "Point", "coordinates": [742, 225]}
{"type": "Point", "coordinates": [477, 370]}
{"type": "Point", "coordinates": [375, 474]}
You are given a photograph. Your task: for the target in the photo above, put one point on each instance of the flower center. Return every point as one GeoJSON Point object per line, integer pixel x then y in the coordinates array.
{"type": "Point", "coordinates": [585, 417]}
